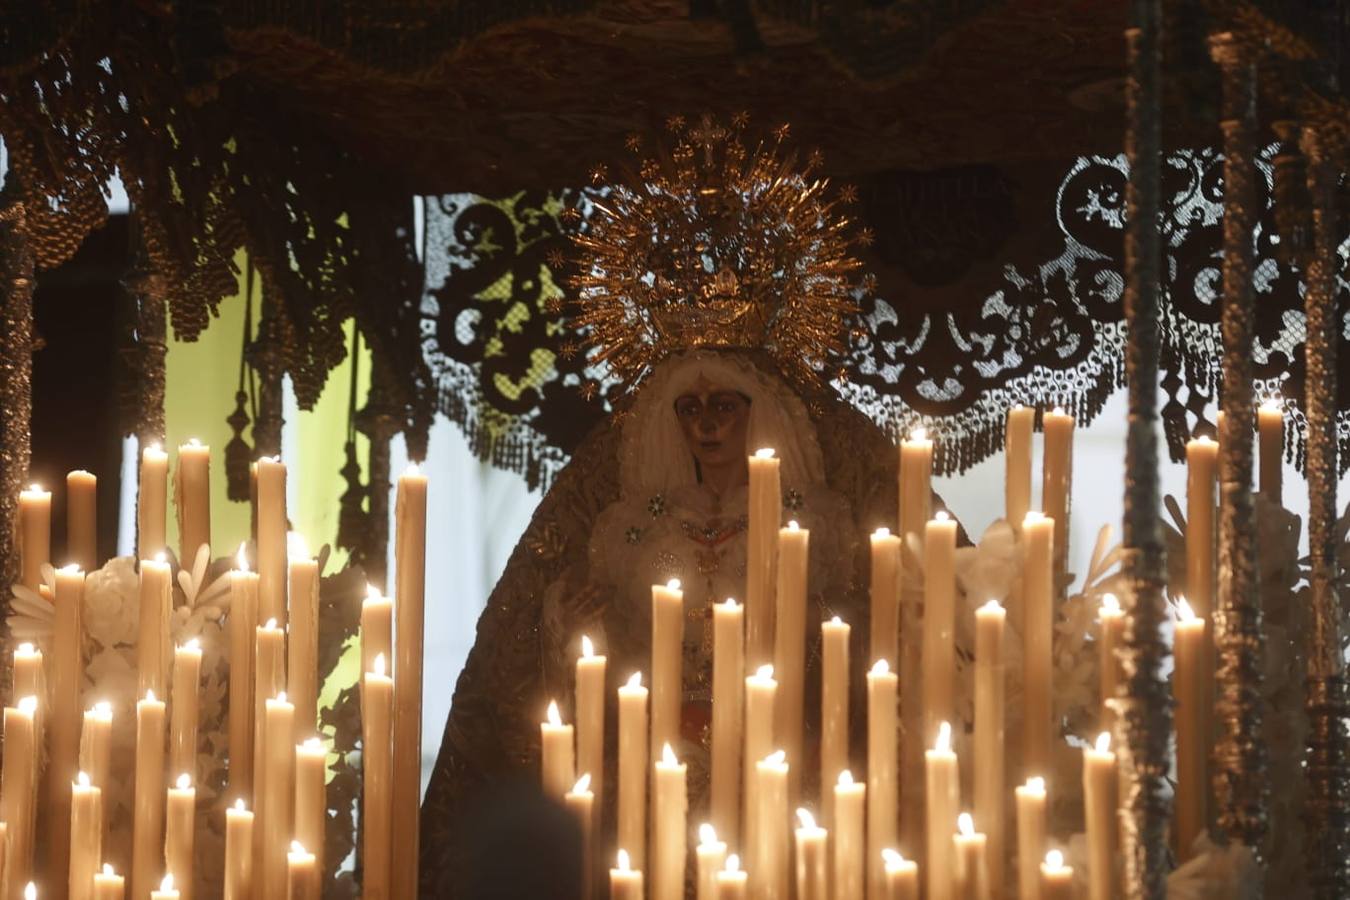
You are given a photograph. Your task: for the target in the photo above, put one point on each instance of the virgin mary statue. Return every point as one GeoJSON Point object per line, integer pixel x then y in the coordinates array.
{"type": "Point", "coordinates": [722, 324]}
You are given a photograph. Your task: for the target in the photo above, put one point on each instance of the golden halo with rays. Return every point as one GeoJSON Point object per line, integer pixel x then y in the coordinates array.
{"type": "Point", "coordinates": [717, 242]}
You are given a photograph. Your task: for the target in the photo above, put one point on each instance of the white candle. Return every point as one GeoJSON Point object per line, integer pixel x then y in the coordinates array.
{"type": "Point", "coordinates": [712, 855]}
{"type": "Point", "coordinates": [760, 689]}
{"type": "Point", "coordinates": [1270, 428]}
{"type": "Point", "coordinates": [275, 799]}
{"type": "Point", "coordinates": [377, 811]}
{"type": "Point", "coordinates": [834, 655]}
{"type": "Point", "coordinates": [902, 876]}
{"type": "Point", "coordinates": [789, 654]}
{"type": "Point", "coordinates": [377, 627]}
{"type": "Point", "coordinates": [939, 622]}
{"type": "Point", "coordinates": [1030, 836]}
{"type": "Point", "coordinates": [580, 802]}
{"type": "Point", "coordinates": [632, 826]}
{"type": "Point", "coordinates": [1100, 777]}
{"type": "Point", "coordinates": [944, 799]}
{"type": "Point", "coordinates": [192, 497]}
{"type": "Point", "coordinates": [96, 744]}
{"type": "Point", "coordinates": [849, 846]}
{"type": "Point", "coordinates": [152, 645]}
{"type": "Point", "coordinates": [86, 837]}
{"type": "Point", "coordinates": [238, 852]}
{"type": "Point", "coordinates": [1189, 682]}
{"type": "Point", "coordinates": [1202, 463]}
{"type": "Point", "coordinates": [311, 795]}
{"type": "Point", "coordinates": [269, 668]}
{"type": "Point", "coordinates": [667, 664]}
{"type": "Point", "coordinates": [882, 784]}
{"type": "Point", "coordinates": [271, 482]}
{"type": "Point", "coordinates": [728, 708]}
{"type": "Point", "coordinates": [916, 475]}
{"type": "Point", "coordinates": [1056, 878]}
{"type": "Point", "coordinates": [242, 617]}
{"type": "Point", "coordinates": [812, 860]}
{"type": "Point", "coordinates": [63, 742]}
{"type": "Point", "coordinates": [179, 830]}
{"type": "Point", "coordinates": [590, 708]}
{"type": "Point", "coordinates": [302, 874]}
{"type": "Point", "coordinates": [770, 859]}
{"type": "Point", "coordinates": [148, 806]}
{"type": "Point", "coordinates": [990, 718]}
{"type": "Point", "coordinates": [1038, 533]}
{"type": "Point", "coordinates": [1057, 486]}
{"type": "Point", "coordinates": [108, 885]}
{"type": "Point", "coordinates": [1113, 630]}
{"type": "Point", "coordinates": [1017, 470]}
{"type": "Point", "coordinates": [82, 519]}
{"type": "Point", "coordinates": [558, 765]}
{"type": "Point", "coordinates": [625, 882]}
{"type": "Point", "coordinates": [969, 850]}
{"type": "Point", "coordinates": [669, 807]}
{"type": "Point", "coordinates": [187, 668]}
{"type": "Point", "coordinates": [302, 644]}
{"type": "Point", "coordinates": [885, 595]}
{"type": "Point", "coordinates": [765, 506]}
{"type": "Point", "coordinates": [732, 880]}
{"type": "Point", "coordinates": [34, 535]}
{"type": "Point", "coordinates": [410, 554]}
{"type": "Point", "coordinates": [151, 502]}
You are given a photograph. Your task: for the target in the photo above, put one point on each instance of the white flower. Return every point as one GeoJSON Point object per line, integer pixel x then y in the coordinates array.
{"type": "Point", "coordinates": [112, 603]}
{"type": "Point", "coordinates": [32, 616]}
{"type": "Point", "coordinates": [1216, 873]}
{"type": "Point", "coordinates": [988, 570]}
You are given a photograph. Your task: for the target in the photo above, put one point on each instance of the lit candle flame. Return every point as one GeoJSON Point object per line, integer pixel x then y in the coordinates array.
{"type": "Point", "coordinates": [30, 891]}
{"type": "Point", "coordinates": [587, 648]}
{"type": "Point", "coordinates": [1184, 611]}
{"type": "Point", "coordinates": [378, 665]}
{"type": "Point", "coordinates": [26, 649]}
{"type": "Point", "coordinates": [1110, 604]}
{"type": "Point", "coordinates": [35, 488]}
{"type": "Point", "coordinates": [835, 620]}
{"type": "Point", "coordinates": [881, 667]}
{"type": "Point", "coordinates": [193, 442]}
{"type": "Point", "coordinates": [965, 824]}
{"type": "Point", "coordinates": [1034, 515]}
{"type": "Point", "coordinates": [270, 625]}
{"type": "Point", "coordinates": [553, 718]}
{"type": "Point", "coordinates": [733, 863]}
{"type": "Point", "coordinates": [373, 593]}
{"type": "Point", "coordinates": [1273, 404]}
{"type": "Point", "coordinates": [707, 835]}
{"type": "Point", "coordinates": [184, 781]}
{"type": "Point", "coordinates": [634, 680]}
{"type": "Point", "coordinates": [764, 453]}
{"type": "Point", "coordinates": [102, 709]}
{"type": "Point", "coordinates": [313, 744]}
{"type": "Point", "coordinates": [108, 869]}
{"type": "Point", "coordinates": [668, 755]}
{"type": "Point", "coordinates": [1036, 784]}
{"type": "Point", "coordinates": [280, 697]}
{"type": "Point", "coordinates": [918, 435]}
{"type": "Point", "coordinates": [673, 584]}
{"type": "Point", "coordinates": [882, 532]}
{"type": "Point", "coordinates": [149, 695]}
{"type": "Point", "coordinates": [239, 805]}
{"type": "Point", "coordinates": [893, 858]}
{"type": "Point", "coordinates": [160, 558]}
{"type": "Point", "coordinates": [845, 778]}
{"type": "Point", "coordinates": [731, 605]}
{"type": "Point", "coordinates": [583, 784]}
{"type": "Point", "coordinates": [944, 738]}
{"type": "Point", "coordinates": [1104, 742]}
{"type": "Point", "coordinates": [807, 820]}
{"type": "Point", "coordinates": [193, 645]}
{"type": "Point", "coordinates": [623, 861]}
{"type": "Point", "coordinates": [1054, 860]}
{"type": "Point", "coordinates": [765, 672]}
{"type": "Point", "coordinates": [942, 516]}
{"type": "Point", "coordinates": [412, 471]}
{"type": "Point", "coordinates": [82, 779]}
{"type": "Point", "coordinates": [793, 526]}
{"type": "Point", "coordinates": [1203, 439]}
{"type": "Point", "coordinates": [152, 448]}
{"type": "Point", "coordinates": [296, 546]}
{"type": "Point", "coordinates": [992, 605]}
{"type": "Point", "coordinates": [71, 569]}
{"type": "Point", "coordinates": [167, 884]}
{"type": "Point", "coordinates": [1057, 411]}
{"type": "Point", "coordinates": [241, 559]}
{"type": "Point", "coordinates": [298, 849]}
{"type": "Point", "coordinates": [28, 705]}
{"type": "Point", "coordinates": [776, 758]}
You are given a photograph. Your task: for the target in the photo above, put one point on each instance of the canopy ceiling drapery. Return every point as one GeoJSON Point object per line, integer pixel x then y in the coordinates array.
{"type": "Point", "coordinates": [983, 138]}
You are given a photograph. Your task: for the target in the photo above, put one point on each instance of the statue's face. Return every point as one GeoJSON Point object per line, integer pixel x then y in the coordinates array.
{"type": "Point", "coordinates": [713, 420]}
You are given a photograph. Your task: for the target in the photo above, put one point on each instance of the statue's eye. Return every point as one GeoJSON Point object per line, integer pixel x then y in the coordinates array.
{"type": "Point", "coordinates": [688, 409]}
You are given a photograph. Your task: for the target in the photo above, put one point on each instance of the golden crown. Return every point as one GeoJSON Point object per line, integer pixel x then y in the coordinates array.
{"type": "Point", "coordinates": [708, 244]}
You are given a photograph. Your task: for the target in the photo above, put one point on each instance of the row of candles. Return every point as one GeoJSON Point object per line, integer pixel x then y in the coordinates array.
{"type": "Point", "coordinates": [757, 727]}
{"type": "Point", "coordinates": [276, 757]}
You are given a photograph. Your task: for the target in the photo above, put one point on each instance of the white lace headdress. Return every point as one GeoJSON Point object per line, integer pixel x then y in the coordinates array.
{"type": "Point", "coordinates": [653, 455]}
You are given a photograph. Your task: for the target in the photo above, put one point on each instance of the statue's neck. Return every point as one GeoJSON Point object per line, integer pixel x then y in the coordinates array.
{"type": "Point", "coordinates": [721, 480]}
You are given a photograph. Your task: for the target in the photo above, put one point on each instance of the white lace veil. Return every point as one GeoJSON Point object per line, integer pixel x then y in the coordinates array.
{"type": "Point", "coordinates": [653, 456]}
